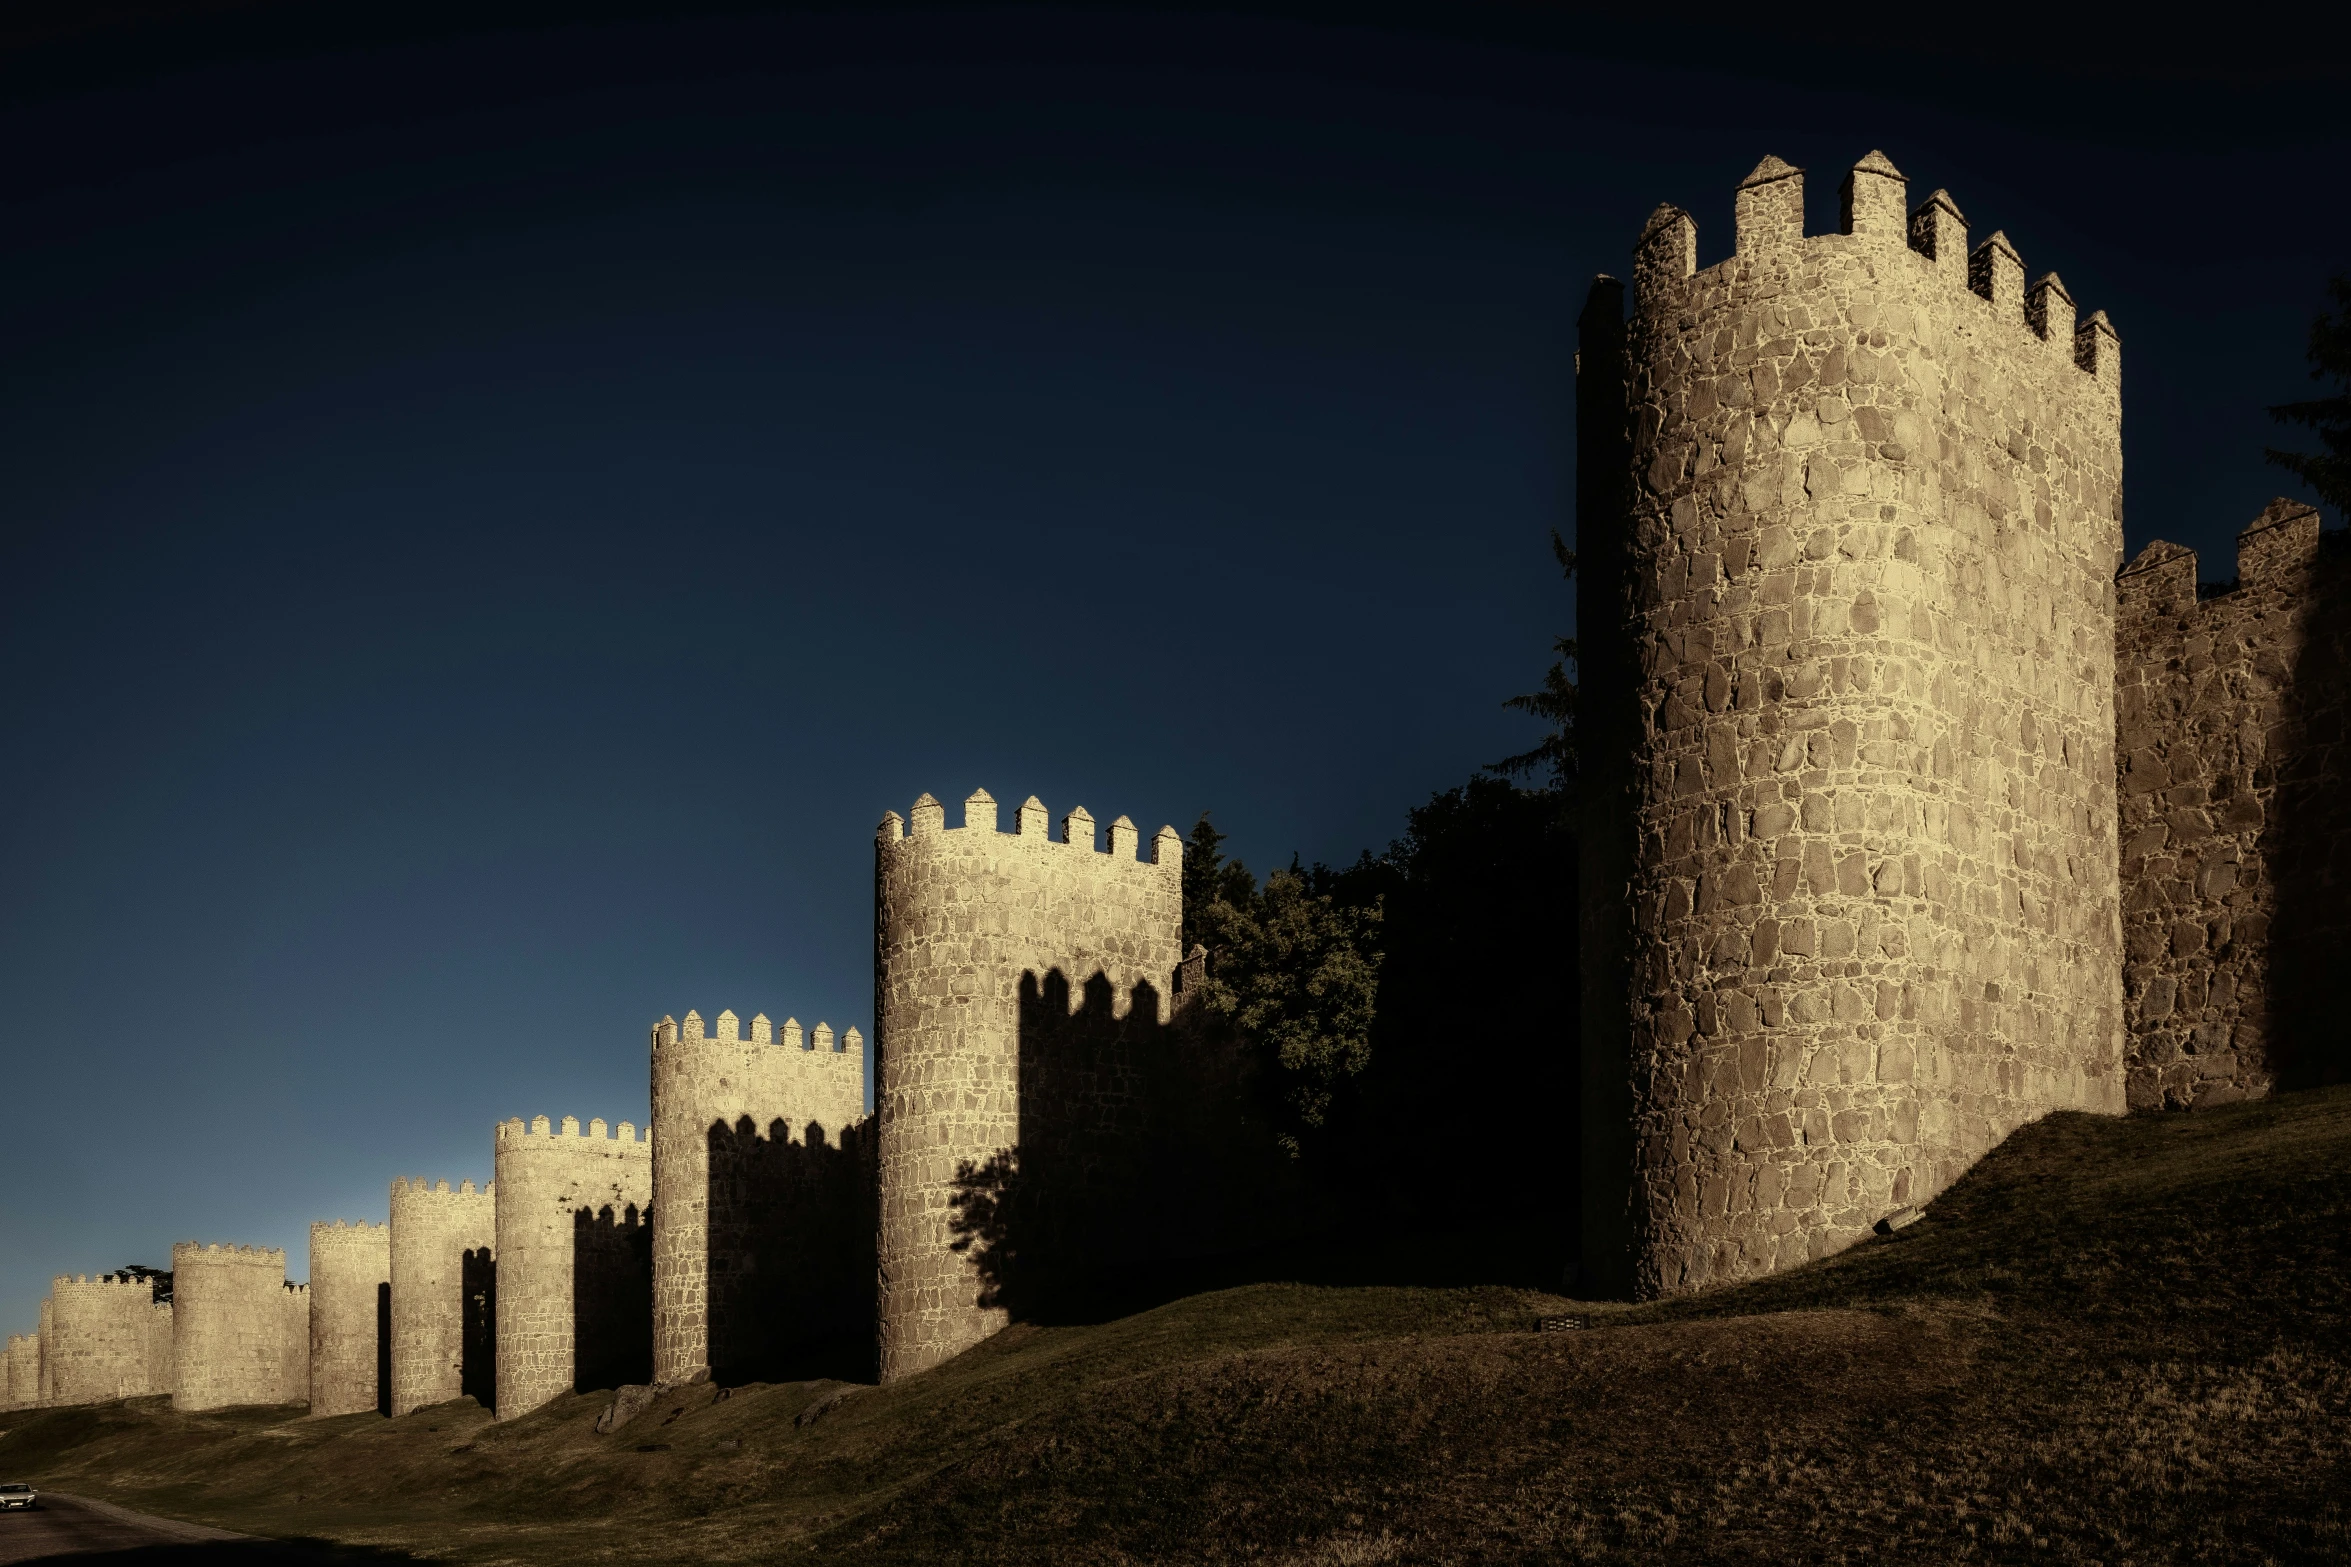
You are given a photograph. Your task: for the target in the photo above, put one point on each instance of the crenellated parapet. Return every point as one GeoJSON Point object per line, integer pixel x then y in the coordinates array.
{"type": "Point", "coordinates": [241, 1333]}
{"type": "Point", "coordinates": [574, 1258]}
{"type": "Point", "coordinates": [727, 1108]}
{"type": "Point", "coordinates": [442, 1259]}
{"type": "Point", "coordinates": [962, 914]}
{"type": "Point", "coordinates": [1855, 582]}
{"type": "Point", "coordinates": [2231, 705]}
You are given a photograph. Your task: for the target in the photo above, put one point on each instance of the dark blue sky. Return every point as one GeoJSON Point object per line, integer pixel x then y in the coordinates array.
{"type": "Point", "coordinates": [494, 517]}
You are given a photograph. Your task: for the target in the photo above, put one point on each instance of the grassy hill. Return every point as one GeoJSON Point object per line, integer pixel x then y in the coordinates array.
{"type": "Point", "coordinates": [2114, 1342]}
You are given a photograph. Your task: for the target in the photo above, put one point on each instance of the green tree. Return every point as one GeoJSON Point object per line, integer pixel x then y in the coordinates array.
{"type": "Point", "coordinates": [1554, 703]}
{"type": "Point", "coordinates": [2328, 470]}
{"type": "Point", "coordinates": [1291, 966]}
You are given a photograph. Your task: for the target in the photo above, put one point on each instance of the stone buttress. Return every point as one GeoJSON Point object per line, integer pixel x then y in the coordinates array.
{"type": "Point", "coordinates": [241, 1333]}
{"type": "Point", "coordinates": [443, 1272]}
{"type": "Point", "coordinates": [1859, 584]}
{"type": "Point", "coordinates": [725, 1110]}
{"type": "Point", "coordinates": [350, 1294]}
{"type": "Point", "coordinates": [575, 1307]}
{"type": "Point", "coordinates": [961, 915]}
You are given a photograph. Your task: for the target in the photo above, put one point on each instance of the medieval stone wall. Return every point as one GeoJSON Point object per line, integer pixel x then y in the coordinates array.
{"type": "Point", "coordinates": [21, 1386]}
{"type": "Point", "coordinates": [758, 1226]}
{"type": "Point", "coordinates": [41, 1361]}
{"type": "Point", "coordinates": [350, 1302]}
{"type": "Point", "coordinates": [2234, 706]}
{"type": "Point", "coordinates": [961, 917]}
{"type": "Point", "coordinates": [1869, 544]}
{"type": "Point", "coordinates": [98, 1339]}
{"type": "Point", "coordinates": [575, 1267]}
{"type": "Point", "coordinates": [162, 1360]}
{"type": "Point", "coordinates": [241, 1333]}
{"type": "Point", "coordinates": [443, 1272]}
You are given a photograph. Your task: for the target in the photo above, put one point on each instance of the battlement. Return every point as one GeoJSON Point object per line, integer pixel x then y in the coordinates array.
{"type": "Point", "coordinates": [186, 1254]}
{"type": "Point", "coordinates": [130, 1284]}
{"type": "Point", "coordinates": [355, 1230]}
{"type": "Point", "coordinates": [728, 1029]}
{"type": "Point", "coordinates": [625, 1140]}
{"type": "Point", "coordinates": [2275, 552]}
{"type": "Point", "coordinates": [1031, 828]}
{"type": "Point", "coordinates": [420, 1186]}
{"type": "Point", "coordinates": [1768, 233]}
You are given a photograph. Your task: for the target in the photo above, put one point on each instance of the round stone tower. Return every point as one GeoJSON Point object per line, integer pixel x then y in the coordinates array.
{"type": "Point", "coordinates": [575, 1289]}
{"type": "Point", "coordinates": [708, 1278]}
{"type": "Point", "coordinates": [350, 1296]}
{"type": "Point", "coordinates": [1852, 914]}
{"type": "Point", "coordinates": [442, 1261]}
{"type": "Point", "coordinates": [961, 915]}
{"type": "Point", "coordinates": [241, 1333]}
{"type": "Point", "coordinates": [100, 1339]}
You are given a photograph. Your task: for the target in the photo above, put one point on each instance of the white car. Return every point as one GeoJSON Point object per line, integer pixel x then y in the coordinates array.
{"type": "Point", "coordinates": [17, 1495]}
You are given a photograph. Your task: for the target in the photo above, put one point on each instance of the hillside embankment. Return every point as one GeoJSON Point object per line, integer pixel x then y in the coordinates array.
{"type": "Point", "coordinates": [2116, 1341]}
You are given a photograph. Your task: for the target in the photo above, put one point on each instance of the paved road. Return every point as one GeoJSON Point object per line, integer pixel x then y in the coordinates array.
{"type": "Point", "coordinates": [73, 1526]}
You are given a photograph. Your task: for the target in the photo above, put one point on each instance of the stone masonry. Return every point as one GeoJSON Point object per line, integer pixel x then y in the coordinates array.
{"type": "Point", "coordinates": [1860, 586]}
{"type": "Point", "coordinates": [442, 1262]}
{"type": "Point", "coordinates": [41, 1361]}
{"type": "Point", "coordinates": [574, 1260]}
{"type": "Point", "coordinates": [21, 1388]}
{"type": "Point", "coordinates": [961, 916]}
{"type": "Point", "coordinates": [715, 1086]}
{"type": "Point", "coordinates": [2235, 715]}
{"type": "Point", "coordinates": [350, 1289]}
{"type": "Point", "coordinates": [101, 1340]}
{"type": "Point", "coordinates": [241, 1332]}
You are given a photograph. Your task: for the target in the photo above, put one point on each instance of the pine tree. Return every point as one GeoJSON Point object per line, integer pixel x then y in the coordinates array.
{"type": "Point", "coordinates": [2328, 471]}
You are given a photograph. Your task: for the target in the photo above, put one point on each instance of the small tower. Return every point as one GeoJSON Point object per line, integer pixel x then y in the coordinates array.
{"type": "Point", "coordinates": [442, 1256]}
{"type": "Point", "coordinates": [100, 1330]}
{"type": "Point", "coordinates": [350, 1308]}
{"type": "Point", "coordinates": [241, 1332]}
{"type": "Point", "coordinates": [962, 915]}
{"type": "Point", "coordinates": [1851, 909]}
{"type": "Point", "coordinates": [762, 1225]}
{"type": "Point", "coordinates": [22, 1386]}
{"type": "Point", "coordinates": [575, 1265]}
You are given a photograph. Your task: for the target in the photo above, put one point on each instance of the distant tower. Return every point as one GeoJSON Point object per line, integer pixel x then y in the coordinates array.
{"type": "Point", "coordinates": [961, 916]}
{"type": "Point", "coordinates": [100, 1332]}
{"type": "Point", "coordinates": [575, 1286]}
{"type": "Point", "coordinates": [1853, 906]}
{"type": "Point", "coordinates": [23, 1386]}
{"type": "Point", "coordinates": [242, 1332]}
{"type": "Point", "coordinates": [41, 1360]}
{"type": "Point", "coordinates": [443, 1261]}
{"type": "Point", "coordinates": [726, 1272]}
{"type": "Point", "coordinates": [350, 1308]}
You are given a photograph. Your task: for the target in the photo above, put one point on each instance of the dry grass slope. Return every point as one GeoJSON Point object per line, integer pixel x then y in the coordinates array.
{"type": "Point", "coordinates": [2115, 1342]}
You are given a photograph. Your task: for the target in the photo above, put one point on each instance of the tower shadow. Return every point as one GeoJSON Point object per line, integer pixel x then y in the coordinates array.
{"type": "Point", "coordinates": [792, 1225]}
{"type": "Point", "coordinates": [2306, 844]}
{"type": "Point", "coordinates": [477, 1354]}
{"type": "Point", "coordinates": [611, 1297]}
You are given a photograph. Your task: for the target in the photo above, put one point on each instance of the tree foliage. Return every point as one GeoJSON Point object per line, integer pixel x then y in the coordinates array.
{"type": "Point", "coordinates": [2328, 470]}
{"type": "Point", "coordinates": [1292, 967]}
{"type": "Point", "coordinates": [1554, 703]}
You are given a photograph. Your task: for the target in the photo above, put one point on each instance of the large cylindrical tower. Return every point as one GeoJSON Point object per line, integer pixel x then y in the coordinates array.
{"type": "Point", "coordinates": [350, 1300]}
{"type": "Point", "coordinates": [961, 915]}
{"type": "Point", "coordinates": [1868, 911]}
{"type": "Point", "coordinates": [575, 1269]}
{"type": "Point", "coordinates": [241, 1333]}
{"type": "Point", "coordinates": [443, 1270]}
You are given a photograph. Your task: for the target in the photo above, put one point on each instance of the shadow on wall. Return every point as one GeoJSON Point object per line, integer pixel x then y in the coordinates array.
{"type": "Point", "coordinates": [477, 1355]}
{"type": "Point", "coordinates": [2307, 843]}
{"type": "Point", "coordinates": [611, 1297]}
{"type": "Point", "coordinates": [384, 1348]}
{"type": "Point", "coordinates": [1146, 1167]}
{"type": "Point", "coordinates": [791, 1248]}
